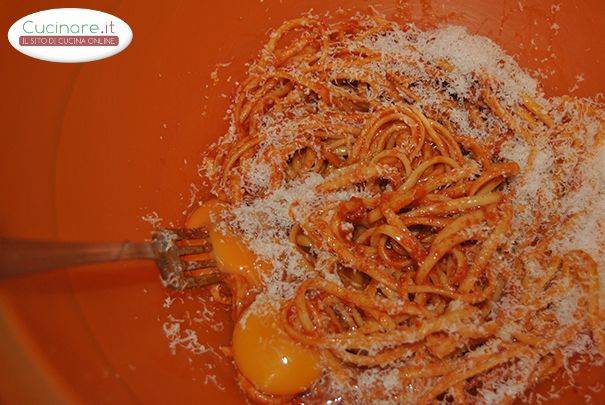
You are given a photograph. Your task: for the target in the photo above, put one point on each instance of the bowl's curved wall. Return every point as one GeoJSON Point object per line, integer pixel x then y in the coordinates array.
{"type": "Point", "coordinates": [91, 148]}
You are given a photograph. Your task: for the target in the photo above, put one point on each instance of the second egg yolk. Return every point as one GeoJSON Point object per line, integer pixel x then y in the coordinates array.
{"type": "Point", "coordinates": [269, 358]}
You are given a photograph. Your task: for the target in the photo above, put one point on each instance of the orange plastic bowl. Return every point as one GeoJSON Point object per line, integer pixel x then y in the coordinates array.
{"type": "Point", "coordinates": [90, 148]}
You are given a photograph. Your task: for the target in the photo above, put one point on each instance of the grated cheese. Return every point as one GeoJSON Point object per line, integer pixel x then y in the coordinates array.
{"type": "Point", "coordinates": [265, 224]}
{"type": "Point", "coordinates": [558, 184]}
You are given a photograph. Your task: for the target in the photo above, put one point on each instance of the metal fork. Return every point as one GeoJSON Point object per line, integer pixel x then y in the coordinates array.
{"type": "Point", "coordinates": [169, 248]}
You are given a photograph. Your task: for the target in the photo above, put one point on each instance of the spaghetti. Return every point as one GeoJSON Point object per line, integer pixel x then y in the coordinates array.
{"type": "Point", "coordinates": [416, 204]}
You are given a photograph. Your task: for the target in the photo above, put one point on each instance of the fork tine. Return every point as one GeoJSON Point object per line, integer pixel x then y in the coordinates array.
{"type": "Point", "coordinates": [203, 280]}
{"type": "Point", "coordinates": [194, 249]}
{"type": "Point", "coordinates": [193, 233]}
{"type": "Point", "coordinates": [198, 264]}
{"type": "Point", "coordinates": [171, 245]}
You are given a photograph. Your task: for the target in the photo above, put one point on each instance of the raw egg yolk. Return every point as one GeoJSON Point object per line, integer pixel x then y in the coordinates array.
{"type": "Point", "coordinates": [269, 358]}
{"type": "Point", "coordinates": [201, 216]}
{"type": "Point", "coordinates": [233, 256]}
{"type": "Point", "coordinates": [230, 252]}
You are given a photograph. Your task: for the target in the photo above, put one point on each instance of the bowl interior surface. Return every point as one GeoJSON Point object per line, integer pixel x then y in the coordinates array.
{"type": "Point", "coordinates": [118, 139]}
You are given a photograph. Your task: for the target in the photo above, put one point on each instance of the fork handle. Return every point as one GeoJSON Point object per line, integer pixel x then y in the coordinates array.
{"type": "Point", "coordinates": [21, 256]}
